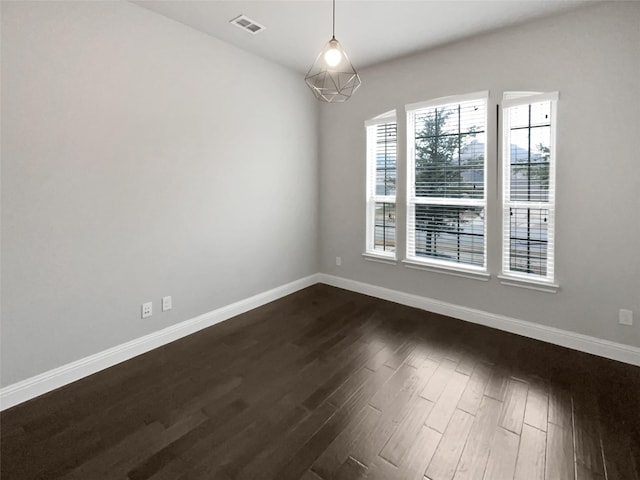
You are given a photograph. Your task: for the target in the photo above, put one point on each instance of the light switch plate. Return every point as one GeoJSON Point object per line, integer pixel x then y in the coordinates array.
{"type": "Point", "coordinates": [625, 317]}
{"type": "Point", "coordinates": [166, 303]}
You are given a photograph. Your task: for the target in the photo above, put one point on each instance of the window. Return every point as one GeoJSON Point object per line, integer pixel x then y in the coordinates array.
{"type": "Point", "coordinates": [381, 185]}
{"type": "Point", "coordinates": [446, 182]}
{"type": "Point", "coordinates": [528, 203]}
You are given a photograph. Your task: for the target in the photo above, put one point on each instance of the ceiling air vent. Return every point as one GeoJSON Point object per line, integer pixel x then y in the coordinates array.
{"type": "Point", "coordinates": [247, 24]}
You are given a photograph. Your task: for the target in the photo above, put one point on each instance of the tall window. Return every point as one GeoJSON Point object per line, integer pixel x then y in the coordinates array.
{"type": "Point", "coordinates": [381, 185]}
{"type": "Point", "coordinates": [446, 182]}
{"type": "Point", "coordinates": [528, 185]}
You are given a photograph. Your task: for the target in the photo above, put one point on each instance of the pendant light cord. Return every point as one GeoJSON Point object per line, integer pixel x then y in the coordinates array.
{"type": "Point", "coordinates": [334, 18]}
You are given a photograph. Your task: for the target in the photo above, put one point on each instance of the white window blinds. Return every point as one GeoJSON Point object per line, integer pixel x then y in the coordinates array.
{"type": "Point", "coordinates": [446, 182]}
{"type": "Point", "coordinates": [528, 203]}
{"type": "Point", "coordinates": [381, 185]}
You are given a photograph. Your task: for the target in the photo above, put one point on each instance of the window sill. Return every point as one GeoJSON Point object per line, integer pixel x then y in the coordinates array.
{"type": "Point", "coordinates": [373, 257]}
{"type": "Point", "coordinates": [529, 284]}
{"type": "Point", "coordinates": [456, 272]}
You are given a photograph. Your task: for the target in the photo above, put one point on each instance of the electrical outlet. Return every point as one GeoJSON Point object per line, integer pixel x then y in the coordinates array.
{"type": "Point", "coordinates": [166, 303]}
{"type": "Point", "coordinates": [147, 309]}
{"type": "Point", "coordinates": [625, 317]}
{"type": "Point", "coordinates": [338, 261]}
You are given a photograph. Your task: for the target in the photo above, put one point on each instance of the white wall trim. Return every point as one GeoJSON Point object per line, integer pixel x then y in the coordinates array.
{"type": "Point", "coordinates": [58, 377]}
{"type": "Point", "coordinates": [556, 336]}
{"type": "Point", "coordinates": [24, 390]}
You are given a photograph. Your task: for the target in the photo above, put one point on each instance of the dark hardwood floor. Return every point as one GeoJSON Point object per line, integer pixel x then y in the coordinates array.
{"type": "Point", "coordinates": [328, 384]}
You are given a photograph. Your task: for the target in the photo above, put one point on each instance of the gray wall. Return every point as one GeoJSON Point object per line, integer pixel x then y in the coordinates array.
{"type": "Point", "coordinates": [592, 57]}
{"type": "Point", "coordinates": [141, 158]}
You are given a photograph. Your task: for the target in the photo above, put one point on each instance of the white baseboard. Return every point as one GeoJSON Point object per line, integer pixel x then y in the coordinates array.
{"type": "Point", "coordinates": [45, 382]}
{"type": "Point", "coordinates": [58, 377]}
{"type": "Point", "coordinates": [575, 341]}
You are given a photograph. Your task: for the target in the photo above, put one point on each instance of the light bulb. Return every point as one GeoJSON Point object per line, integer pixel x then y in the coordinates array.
{"type": "Point", "coordinates": [333, 56]}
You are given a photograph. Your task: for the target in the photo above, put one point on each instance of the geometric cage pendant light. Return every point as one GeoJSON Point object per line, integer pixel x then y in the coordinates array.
{"type": "Point", "coordinates": [332, 78]}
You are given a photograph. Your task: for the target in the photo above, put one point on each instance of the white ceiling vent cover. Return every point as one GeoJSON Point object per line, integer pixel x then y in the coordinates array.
{"type": "Point", "coordinates": [247, 24]}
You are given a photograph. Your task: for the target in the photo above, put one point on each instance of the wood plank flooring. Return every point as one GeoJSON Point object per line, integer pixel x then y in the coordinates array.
{"type": "Point", "coordinates": [327, 384]}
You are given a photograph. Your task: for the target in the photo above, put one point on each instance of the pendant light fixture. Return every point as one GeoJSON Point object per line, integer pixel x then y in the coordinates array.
{"type": "Point", "coordinates": [332, 78]}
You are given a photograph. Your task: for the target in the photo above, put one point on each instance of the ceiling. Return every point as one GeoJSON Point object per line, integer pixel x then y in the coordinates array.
{"type": "Point", "coordinates": [371, 32]}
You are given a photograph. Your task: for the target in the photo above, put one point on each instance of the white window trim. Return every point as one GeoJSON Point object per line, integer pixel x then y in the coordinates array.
{"type": "Point", "coordinates": [380, 257]}
{"type": "Point", "coordinates": [513, 281]}
{"type": "Point", "coordinates": [465, 97]}
{"type": "Point", "coordinates": [467, 272]}
{"type": "Point", "coordinates": [387, 117]}
{"type": "Point", "coordinates": [370, 252]}
{"type": "Point", "coordinates": [520, 279]}
{"type": "Point", "coordinates": [440, 266]}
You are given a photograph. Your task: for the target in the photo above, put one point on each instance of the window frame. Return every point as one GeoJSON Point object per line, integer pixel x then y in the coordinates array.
{"type": "Point", "coordinates": [546, 283]}
{"type": "Point", "coordinates": [430, 264]}
{"type": "Point", "coordinates": [372, 198]}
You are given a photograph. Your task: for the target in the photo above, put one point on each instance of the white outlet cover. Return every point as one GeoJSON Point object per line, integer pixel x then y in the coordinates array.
{"type": "Point", "coordinates": [147, 309]}
{"type": "Point", "coordinates": [166, 303]}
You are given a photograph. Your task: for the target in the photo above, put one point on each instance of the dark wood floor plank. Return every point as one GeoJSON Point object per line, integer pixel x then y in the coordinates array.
{"type": "Point", "coordinates": [117, 460]}
{"type": "Point", "coordinates": [265, 433]}
{"type": "Point", "coordinates": [473, 460]}
{"type": "Point", "coordinates": [313, 448]}
{"type": "Point", "coordinates": [531, 454]}
{"type": "Point", "coordinates": [437, 347]}
{"type": "Point", "coordinates": [502, 455]}
{"type": "Point", "coordinates": [221, 445]}
{"type": "Point", "coordinates": [120, 459]}
{"type": "Point", "coordinates": [322, 378]}
{"type": "Point", "coordinates": [351, 469]}
{"type": "Point", "coordinates": [443, 409]}
{"type": "Point", "coordinates": [309, 475]}
{"type": "Point", "coordinates": [536, 411]}
{"type": "Point", "coordinates": [419, 455]}
{"type": "Point", "coordinates": [560, 406]}
{"type": "Point", "coordinates": [515, 400]}
{"type": "Point", "coordinates": [345, 335]}
{"type": "Point", "coordinates": [418, 355]}
{"type": "Point", "coordinates": [587, 433]}
{"type": "Point", "coordinates": [618, 457]}
{"type": "Point", "coordinates": [380, 359]}
{"type": "Point", "coordinates": [467, 363]}
{"type": "Point", "coordinates": [170, 471]}
{"type": "Point", "coordinates": [445, 460]}
{"type": "Point", "coordinates": [396, 350]}
{"type": "Point", "coordinates": [340, 376]}
{"type": "Point", "coordinates": [438, 382]}
{"type": "Point", "coordinates": [373, 438]}
{"type": "Point", "coordinates": [560, 457]}
{"type": "Point", "coordinates": [338, 452]}
{"type": "Point", "coordinates": [405, 377]}
{"type": "Point", "coordinates": [382, 470]}
{"type": "Point", "coordinates": [472, 396]}
{"type": "Point", "coordinates": [325, 324]}
{"type": "Point", "coordinates": [412, 465]}
{"type": "Point", "coordinates": [353, 383]}
{"type": "Point", "coordinates": [399, 356]}
{"type": "Point", "coordinates": [394, 409]}
{"type": "Point", "coordinates": [408, 430]}
{"type": "Point", "coordinates": [276, 455]}
{"type": "Point", "coordinates": [584, 473]}
{"type": "Point", "coordinates": [498, 382]}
